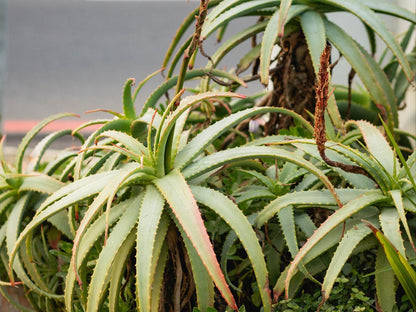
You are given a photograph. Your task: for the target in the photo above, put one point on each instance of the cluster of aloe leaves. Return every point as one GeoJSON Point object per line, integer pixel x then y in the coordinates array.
{"type": "Point", "coordinates": [92, 230]}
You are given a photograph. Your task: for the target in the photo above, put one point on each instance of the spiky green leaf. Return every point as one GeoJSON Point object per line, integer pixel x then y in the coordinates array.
{"type": "Point", "coordinates": [313, 27]}
{"type": "Point", "coordinates": [228, 211]}
{"type": "Point", "coordinates": [185, 208]}
{"type": "Point", "coordinates": [333, 221]}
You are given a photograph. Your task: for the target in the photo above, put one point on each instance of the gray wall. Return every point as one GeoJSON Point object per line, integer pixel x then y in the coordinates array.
{"type": "Point", "coordinates": [74, 55]}
{"type": "Point", "coordinates": [3, 59]}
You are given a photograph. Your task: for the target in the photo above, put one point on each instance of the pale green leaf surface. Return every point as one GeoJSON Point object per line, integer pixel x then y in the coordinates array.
{"type": "Point", "coordinates": [358, 181]}
{"type": "Point", "coordinates": [120, 234]}
{"type": "Point", "coordinates": [390, 8]}
{"type": "Point", "coordinates": [171, 121]}
{"type": "Point", "coordinates": [362, 160]}
{"type": "Point", "coordinates": [147, 227]}
{"type": "Point", "coordinates": [159, 259]}
{"type": "Point", "coordinates": [105, 196]}
{"type": "Point", "coordinates": [3, 228]}
{"type": "Point", "coordinates": [6, 199]}
{"type": "Point", "coordinates": [283, 12]}
{"type": "Point", "coordinates": [61, 159]}
{"type": "Point", "coordinates": [228, 211]}
{"type": "Point", "coordinates": [276, 22]}
{"type": "Point", "coordinates": [185, 208]}
{"type": "Point", "coordinates": [313, 27]}
{"type": "Point", "coordinates": [102, 271]}
{"type": "Point", "coordinates": [221, 158]}
{"type": "Point", "coordinates": [385, 282]}
{"type": "Point", "coordinates": [128, 104]}
{"type": "Point", "coordinates": [341, 255]}
{"type": "Point", "coordinates": [61, 222]}
{"type": "Point", "coordinates": [305, 223]}
{"type": "Point", "coordinates": [158, 278]}
{"type": "Point", "coordinates": [126, 140]}
{"type": "Point", "coordinates": [20, 153]}
{"type": "Point", "coordinates": [203, 282]}
{"type": "Point", "coordinates": [73, 196]}
{"type": "Point", "coordinates": [398, 202]}
{"type": "Point", "coordinates": [93, 233]}
{"type": "Point", "coordinates": [334, 220]}
{"type": "Point", "coordinates": [234, 12]}
{"type": "Point", "coordinates": [390, 224]}
{"type": "Point", "coordinates": [371, 19]}
{"type": "Point", "coordinates": [370, 73]}
{"type": "Point", "coordinates": [80, 189]}
{"type": "Point", "coordinates": [178, 142]}
{"type": "Point", "coordinates": [195, 147]}
{"type": "Point", "coordinates": [379, 147]}
{"type": "Point", "coordinates": [401, 267]}
{"type": "Point", "coordinates": [287, 223]}
{"type": "Point", "coordinates": [269, 39]}
{"type": "Point", "coordinates": [118, 268]}
{"type": "Point", "coordinates": [115, 124]}
{"type": "Point", "coordinates": [220, 8]}
{"type": "Point", "coordinates": [12, 232]}
{"type": "Point", "coordinates": [40, 148]}
{"type": "Point", "coordinates": [40, 183]}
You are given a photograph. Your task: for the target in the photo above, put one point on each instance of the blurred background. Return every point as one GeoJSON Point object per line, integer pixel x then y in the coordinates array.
{"type": "Point", "coordinates": [75, 55]}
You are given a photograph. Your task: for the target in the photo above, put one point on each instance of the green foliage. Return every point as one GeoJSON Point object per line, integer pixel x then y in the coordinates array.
{"type": "Point", "coordinates": [186, 204]}
{"type": "Point", "coordinates": [280, 19]}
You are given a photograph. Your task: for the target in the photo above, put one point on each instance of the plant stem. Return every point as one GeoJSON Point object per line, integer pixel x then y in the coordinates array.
{"type": "Point", "coordinates": [195, 42]}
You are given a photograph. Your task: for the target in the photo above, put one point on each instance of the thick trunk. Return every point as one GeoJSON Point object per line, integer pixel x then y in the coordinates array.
{"type": "Point", "coordinates": [293, 83]}
{"type": "Point", "coordinates": [18, 295]}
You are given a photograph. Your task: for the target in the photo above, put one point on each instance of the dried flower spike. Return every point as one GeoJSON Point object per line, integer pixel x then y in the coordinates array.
{"type": "Point", "coordinates": [322, 96]}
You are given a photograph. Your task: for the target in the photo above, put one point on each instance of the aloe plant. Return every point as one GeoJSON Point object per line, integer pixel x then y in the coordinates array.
{"type": "Point", "coordinates": [382, 200]}
{"type": "Point", "coordinates": [23, 188]}
{"type": "Point", "coordinates": [135, 193]}
{"type": "Point", "coordinates": [162, 205]}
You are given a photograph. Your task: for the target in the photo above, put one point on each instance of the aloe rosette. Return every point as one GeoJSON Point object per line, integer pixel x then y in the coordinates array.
{"type": "Point", "coordinates": [22, 189]}
{"type": "Point", "coordinates": [384, 199]}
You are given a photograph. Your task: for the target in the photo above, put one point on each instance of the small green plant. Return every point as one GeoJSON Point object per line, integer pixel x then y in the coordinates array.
{"type": "Point", "coordinates": [23, 188]}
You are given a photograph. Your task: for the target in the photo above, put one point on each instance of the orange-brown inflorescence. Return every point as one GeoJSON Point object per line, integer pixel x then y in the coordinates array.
{"type": "Point", "coordinates": [321, 93]}
{"type": "Point", "coordinates": [322, 96]}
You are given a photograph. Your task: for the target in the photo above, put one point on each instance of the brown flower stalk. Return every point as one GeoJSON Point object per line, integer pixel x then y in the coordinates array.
{"type": "Point", "coordinates": [322, 96]}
